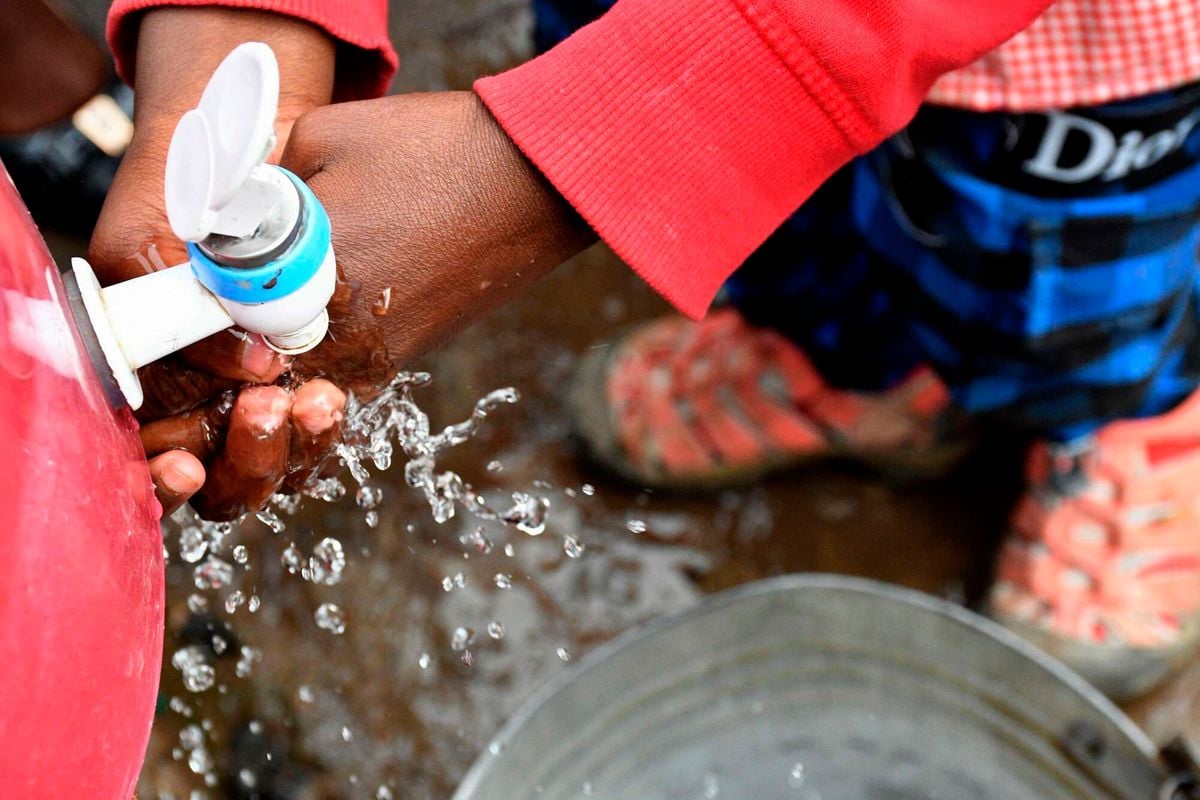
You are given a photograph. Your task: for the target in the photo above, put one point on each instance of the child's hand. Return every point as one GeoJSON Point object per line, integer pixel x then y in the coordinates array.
{"type": "Point", "coordinates": [271, 433]}
{"type": "Point", "coordinates": [437, 217]}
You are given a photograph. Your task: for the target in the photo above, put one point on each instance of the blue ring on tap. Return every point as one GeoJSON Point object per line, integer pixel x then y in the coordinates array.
{"type": "Point", "coordinates": [280, 276]}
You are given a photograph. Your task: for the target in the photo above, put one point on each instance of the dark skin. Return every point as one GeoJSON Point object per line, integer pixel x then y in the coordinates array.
{"type": "Point", "coordinates": [235, 443]}
{"type": "Point", "coordinates": [57, 71]}
{"type": "Point", "coordinates": [437, 218]}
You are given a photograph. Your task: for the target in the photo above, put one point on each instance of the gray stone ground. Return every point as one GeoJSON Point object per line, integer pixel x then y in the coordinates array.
{"type": "Point", "coordinates": [344, 716]}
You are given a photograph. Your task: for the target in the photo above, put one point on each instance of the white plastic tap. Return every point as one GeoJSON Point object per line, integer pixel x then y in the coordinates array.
{"type": "Point", "coordinates": [258, 240]}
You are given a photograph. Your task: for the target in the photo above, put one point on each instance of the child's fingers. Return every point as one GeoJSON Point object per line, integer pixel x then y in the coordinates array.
{"type": "Point", "coordinates": [316, 425]}
{"type": "Point", "coordinates": [252, 464]}
{"type": "Point", "coordinates": [177, 476]}
{"type": "Point", "coordinates": [198, 431]}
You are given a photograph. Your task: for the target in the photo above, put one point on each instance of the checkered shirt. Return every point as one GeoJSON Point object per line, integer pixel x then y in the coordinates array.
{"type": "Point", "coordinates": [1083, 53]}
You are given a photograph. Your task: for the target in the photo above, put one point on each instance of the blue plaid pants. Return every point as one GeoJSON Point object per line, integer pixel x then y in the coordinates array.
{"type": "Point", "coordinates": [1045, 264]}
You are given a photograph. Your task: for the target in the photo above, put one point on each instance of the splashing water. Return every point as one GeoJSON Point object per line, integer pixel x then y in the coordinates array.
{"type": "Point", "coordinates": [368, 497]}
{"type": "Point", "coordinates": [461, 638]}
{"type": "Point", "coordinates": [191, 741]}
{"type": "Point", "coordinates": [291, 559]}
{"type": "Point", "coordinates": [329, 617]}
{"type": "Point", "coordinates": [375, 433]}
{"type": "Point", "coordinates": [327, 562]}
{"type": "Point", "coordinates": [250, 656]}
{"type": "Point", "coordinates": [192, 663]}
{"type": "Point", "coordinates": [234, 601]}
{"type": "Point", "coordinates": [372, 430]}
{"type": "Point", "coordinates": [572, 546]}
{"type": "Point", "coordinates": [214, 573]}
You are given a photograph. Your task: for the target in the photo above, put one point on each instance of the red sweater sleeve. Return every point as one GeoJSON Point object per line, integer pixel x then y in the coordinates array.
{"type": "Point", "coordinates": [686, 131]}
{"type": "Point", "coordinates": [366, 60]}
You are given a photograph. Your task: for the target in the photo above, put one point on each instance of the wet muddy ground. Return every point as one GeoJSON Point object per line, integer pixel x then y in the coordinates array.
{"type": "Point", "coordinates": [389, 708]}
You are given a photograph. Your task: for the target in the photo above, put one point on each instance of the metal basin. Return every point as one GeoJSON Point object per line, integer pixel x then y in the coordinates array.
{"type": "Point", "coordinates": [818, 687]}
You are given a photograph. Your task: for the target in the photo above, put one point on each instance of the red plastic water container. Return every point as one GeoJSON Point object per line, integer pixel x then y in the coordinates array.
{"type": "Point", "coordinates": [81, 554]}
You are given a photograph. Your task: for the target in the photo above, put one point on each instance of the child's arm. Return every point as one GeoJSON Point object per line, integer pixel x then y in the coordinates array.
{"type": "Point", "coordinates": [365, 58]}
{"type": "Point", "coordinates": [686, 131]}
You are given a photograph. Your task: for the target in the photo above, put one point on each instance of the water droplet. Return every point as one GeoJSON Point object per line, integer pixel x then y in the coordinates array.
{"type": "Point", "coordinates": [482, 544]}
{"type": "Point", "coordinates": [503, 580]}
{"type": "Point", "coordinates": [250, 656]}
{"type": "Point", "coordinates": [305, 693]}
{"type": "Point", "coordinates": [424, 661]}
{"type": "Point", "coordinates": [180, 706]}
{"type": "Point", "coordinates": [192, 663]}
{"type": "Point", "coordinates": [712, 786]}
{"type": "Point", "coordinates": [241, 555]}
{"type": "Point", "coordinates": [383, 302]}
{"type": "Point", "coordinates": [346, 734]}
{"type": "Point", "coordinates": [528, 513]}
{"type": "Point", "coordinates": [197, 603]}
{"type": "Point", "coordinates": [588, 489]}
{"type": "Point", "coordinates": [371, 518]}
{"type": "Point", "coordinates": [495, 466]}
{"type": "Point", "coordinates": [563, 654]}
{"type": "Point", "coordinates": [255, 727]}
{"type": "Point", "coordinates": [572, 547]}
{"type": "Point", "coordinates": [447, 584]}
{"type": "Point", "coordinates": [234, 601]}
{"type": "Point", "coordinates": [384, 793]}
{"type": "Point", "coordinates": [271, 520]}
{"type": "Point", "coordinates": [328, 490]}
{"type": "Point", "coordinates": [329, 617]}
{"type": "Point", "coordinates": [495, 748]}
{"type": "Point", "coordinates": [468, 657]}
{"type": "Point", "coordinates": [509, 550]}
{"type": "Point", "coordinates": [291, 559]}
{"type": "Point", "coordinates": [247, 778]}
{"type": "Point", "coordinates": [199, 761]}
{"type": "Point", "coordinates": [214, 573]}
{"type": "Point", "coordinates": [192, 544]}
{"type": "Point", "coordinates": [327, 562]}
{"type": "Point", "coordinates": [461, 638]}
{"type": "Point", "coordinates": [287, 503]}
{"type": "Point", "coordinates": [495, 630]}
{"type": "Point", "coordinates": [368, 497]}
{"type": "Point", "coordinates": [191, 737]}
{"type": "Point", "coordinates": [254, 603]}
{"type": "Point", "coordinates": [636, 526]}
{"type": "Point", "coordinates": [796, 776]}
{"type": "Point", "coordinates": [219, 645]}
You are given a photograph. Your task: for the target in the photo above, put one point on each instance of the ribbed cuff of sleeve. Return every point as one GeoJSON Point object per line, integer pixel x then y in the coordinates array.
{"type": "Point", "coordinates": [366, 60]}
{"type": "Point", "coordinates": [678, 133]}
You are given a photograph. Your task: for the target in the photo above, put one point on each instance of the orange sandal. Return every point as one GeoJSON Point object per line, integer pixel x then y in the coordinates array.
{"type": "Point", "coordinates": [718, 403]}
{"type": "Point", "coordinates": [1102, 568]}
